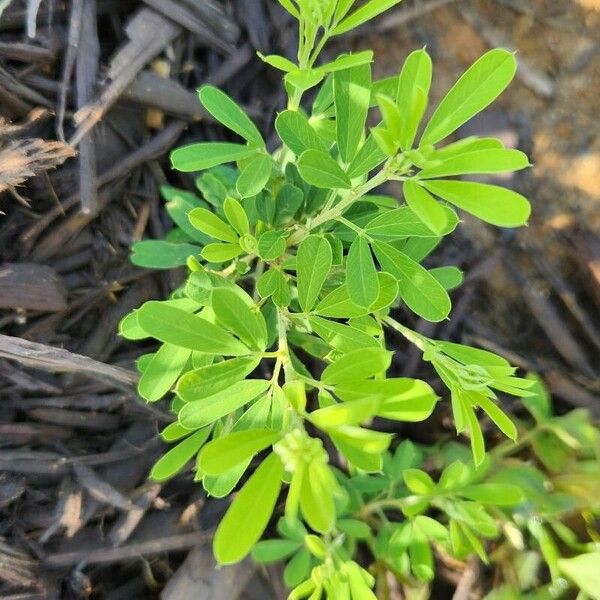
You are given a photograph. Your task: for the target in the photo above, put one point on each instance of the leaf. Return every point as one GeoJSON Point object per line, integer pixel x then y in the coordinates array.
{"type": "Point", "coordinates": [270, 551]}
{"type": "Point", "coordinates": [130, 329]}
{"type": "Point", "coordinates": [351, 95]}
{"type": "Point", "coordinates": [366, 159]}
{"type": "Point", "coordinates": [425, 206]}
{"type": "Point", "coordinates": [448, 277]}
{"type": "Point", "coordinates": [348, 442]}
{"type": "Point", "coordinates": [498, 494]}
{"type": "Point", "coordinates": [583, 570]}
{"type": "Point", "coordinates": [346, 413]}
{"type": "Point", "coordinates": [237, 533]}
{"type": "Point", "coordinates": [365, 13]}
{"type": "Point", "coordinates": [175, 326]}
{"type": "Point", "coordinates": [316, 498]}
{"type": "Point", "coordinates": [348, 61]}
{"type": "Point", "coordinates": [235, 314]}
{"type": "Point", "coordinates": [341, 337]}
{"type": "Point", "coordinates": [173, 432]}
{"type": "Point", "coordinates": [162, 372]}
{"type": "Point", "coordinates": [197, 157]}
{"type": "Point", "coordinates": [402, 222]}
{"type": "Point", "coordinates": [313, 262]}
{"type": "Point", "coordinates": [491, 203]}
{"type": "Point", "coordinates": [481, 161]}
{"type": "Point", "coordinates": [361, 274]}
{"type": "Point", "coordinates": [499, 417]}
{"type": "Point", "coordinates": [273, 283]}
{"type": "Point", "coordinates": [177, 457]}
{"type": "Point", "coordinates": [278, 62]}
{"type": "Point", "coordinates": [418, 482]}
{"type": "Point", "coordinates": [477, 441]}
{"type": "Point", "coordinates": [224, 453]}
{"type": "Point", "coordinates": [357, 365]}
{"type": "Point", "coordinates": [206, 221]}
{"type": "Point", "coordinates": [158, 254]}
{"type": "Point", "coordinates": [236, 215]}
{"type": "Point", "coordinates": [227, 112]}
{"type": "Point", "coordinates": [199, 414]}
{"type": "Point", "coordinates": [320, 170]}
{"type": "Point", "coordinates": [178, 207]}
{"type": "Point", "coordinates": [217, 252]}
{"type": "Point", "coordinates": [478, 87]}
{"type": "Point", "coordinates": [338, 304]}
{"type": "Point", "coordinates": [297, 133]}
{"type": "Point", "coordinates": [413, 88]}
{"type": "Point", "coordinates": [254, 176]}
{"type": "Point", "coordinates": [417, 287]}
{"type": "Point", "coordinates": [271, 245]}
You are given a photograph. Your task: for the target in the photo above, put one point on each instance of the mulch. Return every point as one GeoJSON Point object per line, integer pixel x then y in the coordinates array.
{"type": "Point", "coordinates": [93, 95]}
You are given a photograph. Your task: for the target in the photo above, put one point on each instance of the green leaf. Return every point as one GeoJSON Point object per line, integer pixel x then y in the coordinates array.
{"type": "Point", "coordinates": [320, 170]}
{"type": "Point", "coordinates": [402, 222]}
{"type": "Point", "coordinates": [583, 570]}
{"type": "Point", "coordinates": [254, 176]}
{"type": "Point", "coordinates": [361, 274]}
{"type": "Point", "coordinates": [365, 13]}
{"type": "Point", "coordinates": [236, 215]}
{"type": "Point", "coordinates": [316, 497]}
{"type": "Point", "coordinates": [418, 482]}
{"type": "Point", "coordinates": [227, 112]}
{"type": "Point", "coordinates": [418, 288]}
{"type": "Point", "coordinates": [348, 61]}
{"type": "Point", "coordinates": [313, 262]}
{"type": "Point", "coordinates": [173, 432]}
{"type": "Point", "coordinates": [426, 207]}
{"type": "Point", "coordinates": [448, 277]}
{"type": "Point", "coordinates": [273, 283]}
{"type": "Point", "coordinates": [218, 253]}
{"type": "Point", "coordinates": [346, 413]}
{"type": "Point", "coordinates": [225, 453]}
{"type": "Point", "coordinates": [481, 161]}
{"type": "Point", "coordinates": [478, 87]}
{"type": "Point", "coordinates": [337, 304]}
{"type": "Point", "coordinates": [237, 533]}
{"type": "Point", "coordinates": [162, 372]}
{"type": "Point", "coordinates": [357, 365]}
{"type": "Point", "coordinates": [500, 418]}
{"type": "Point", "coordinates": [175, 326]}
{"type": "Point", "coordinates": [270, 551]}
{"type": "Point", "coordinates": [471, 143]}
{"type": "Point", "coordinates": [298, 569]}
{"type": "Point", "coordinates": [366, 159]}
{"type": "Point", "coordinates": [158, 254]}
{"type": "Point", "coordinates": [498, 494]}
{"type": "Point", "coordinates": [178, 207]}
{"type": "Point", "coordinates": [271, 245]}
{"type": "Point", "coordinates": [413, 88]}
{"type": "Point", "coordinates": [235, 314]}
{"type": "Point", "coordinates": [477, 441]}
{"type": "Point", "coordinates": [177, 457]}
{"type": "Point", "coordinates": [491, 203]}
{"type": "Point", "coordinates": [278, 62]}
{"type": "Point", "coordinates": [297, 133]}
{"type": "Point", "coordinates": [351, 95]}
{"type": "Point", "coordinates": [199, 414]}
{"type": "Point", "coordinates": [130, 329]}
{"type": "Point", "coordinates": [197, 157]}
{"type": "Point", "coordinates": [341, 337]}
{"type": "Point", "coordinates": [206, 221]}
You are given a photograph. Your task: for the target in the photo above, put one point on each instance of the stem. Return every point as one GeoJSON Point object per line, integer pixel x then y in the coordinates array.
{"type": "Point", "coordinates": [409, 334]}
{"type": "Point", "coordinates": [336, 211]}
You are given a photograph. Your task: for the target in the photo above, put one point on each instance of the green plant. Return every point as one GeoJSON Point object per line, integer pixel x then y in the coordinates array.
{"type": "Point", "coordinates": [295, 262]}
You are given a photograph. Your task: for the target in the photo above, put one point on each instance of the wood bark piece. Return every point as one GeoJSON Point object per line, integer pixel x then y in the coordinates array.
{"type": "Point", "coordinates": [134, 550]}
{"type": "Point", "coordinates": [149, 33]}
{"type": "Point", "coordinates": [86, 70]}
{"type": "Point", "coordinates": [218, 33]}
{"type": "Point", "coordinates": [40, 356]}
{"type": "Point", "coordinates": [30, 286]}
{"type": "Point", "coordinates": [200, 579]}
